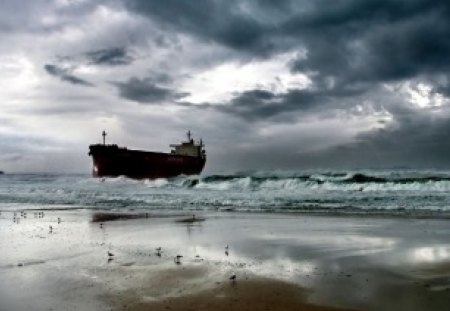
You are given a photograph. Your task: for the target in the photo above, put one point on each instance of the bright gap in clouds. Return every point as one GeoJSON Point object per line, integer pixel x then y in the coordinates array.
{"type": "Point", "coordinates": [423, 95]}
{"type": "Point", "coordinates": [222, 82]}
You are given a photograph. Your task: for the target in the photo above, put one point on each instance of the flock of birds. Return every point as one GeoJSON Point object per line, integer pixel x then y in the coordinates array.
{"type": "Point", "coordinates": [23, 214]}
{"type": "Point", "coordinates": [177, 258]}
{"type": "Point", "coordinates": [39, 214]}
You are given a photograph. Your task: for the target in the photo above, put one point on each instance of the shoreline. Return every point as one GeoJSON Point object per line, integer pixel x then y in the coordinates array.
{"type": "Point", "coordinates": [142, 212]}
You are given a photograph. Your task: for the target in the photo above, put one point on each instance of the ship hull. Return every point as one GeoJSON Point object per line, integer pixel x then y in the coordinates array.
{"type": "Point", "coordinates": [112, 161]}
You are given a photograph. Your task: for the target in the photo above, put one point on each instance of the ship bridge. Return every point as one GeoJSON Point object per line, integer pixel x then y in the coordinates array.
{"type": "Point", "coordinates": [189, 147]}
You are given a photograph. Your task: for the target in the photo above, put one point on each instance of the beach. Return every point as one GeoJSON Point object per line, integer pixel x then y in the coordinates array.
{"type": "Point", "coordinates": [280, 261]}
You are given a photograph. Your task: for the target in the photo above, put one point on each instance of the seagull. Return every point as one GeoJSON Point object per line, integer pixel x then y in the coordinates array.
{"type": "Point", "coordinates": [110, 254]}
{"type": "Point", "coordinates": [51, 229]}
{"type": "Point", "coordinates": [233, 278]}
{"type": "Point", "coordinates": [59, 220]}
{"type": "Point", "coordinates": [177, 259]}
{"type": "Point", "coordinates": [226, 250]}
{"type": "Point", "coordinates": [158, 251]}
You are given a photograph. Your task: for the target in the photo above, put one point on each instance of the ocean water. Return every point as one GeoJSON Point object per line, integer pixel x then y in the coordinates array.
{"type": "Point", "coordinates": [366, 192]}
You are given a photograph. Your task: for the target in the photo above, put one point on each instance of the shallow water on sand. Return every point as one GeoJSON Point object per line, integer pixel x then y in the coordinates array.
{"type": "Point", "coordinates": [375, 263]}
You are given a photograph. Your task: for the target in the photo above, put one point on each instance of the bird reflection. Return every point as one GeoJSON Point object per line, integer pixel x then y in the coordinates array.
{"type": "Point", "coordinates": [177, 259]}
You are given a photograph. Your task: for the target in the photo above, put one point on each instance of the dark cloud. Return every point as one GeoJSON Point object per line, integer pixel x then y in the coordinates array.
{"type": "Point", "coordinates": [350, 40]}
{"type": "Point", "coordinates": [147, 91]}
{"type": "Point", "coordinates": [374, 41]}
{"type": "Point", "coordinates": [113, 57]}
{"type": "Point", "coordinates": [259, 104]}
{"type": "Point", "coordinates": [65, 75]}
{"type": "Point", "coordinates": [220, 21]}
{"type": "Point", "coordinates": [411, 140]}
{"type": "Point", "coordinates": [415, 141]}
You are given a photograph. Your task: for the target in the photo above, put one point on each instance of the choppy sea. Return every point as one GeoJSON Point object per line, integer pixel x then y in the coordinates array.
{"type": "Point", "coordinates": [365, 192]}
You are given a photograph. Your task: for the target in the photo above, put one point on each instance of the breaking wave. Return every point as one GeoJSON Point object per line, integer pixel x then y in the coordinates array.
{"type": "Point", "coordinates": [331, 181]}
{"type": "Point", "coordinates": [347, 192]}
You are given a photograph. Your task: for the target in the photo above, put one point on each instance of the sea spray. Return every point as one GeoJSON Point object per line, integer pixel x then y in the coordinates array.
{"type": "Point", "coordinates": [351, 192]}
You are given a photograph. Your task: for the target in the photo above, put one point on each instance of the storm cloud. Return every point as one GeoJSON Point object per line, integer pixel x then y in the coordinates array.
{"type": "Point", "coordinates": [65, 75]}
{"type": "Point", "coordinates": [113, 57]}
{"type": "Point", "coordinates": [351, 41]}
{"type": "Point", "coordinates": [146, 91]}
{"type": "Point", "coordinates": [283, 84]}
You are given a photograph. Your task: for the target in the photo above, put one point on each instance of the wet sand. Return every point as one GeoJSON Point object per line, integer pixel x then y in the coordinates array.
{"type": "Point", "coordinates": [258, 295]}
{"type": "Point", "coordinates": [281, 262]}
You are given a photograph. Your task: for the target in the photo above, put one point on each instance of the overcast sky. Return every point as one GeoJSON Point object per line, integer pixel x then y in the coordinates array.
{"type": "Point", "coordinates": [267, 84]}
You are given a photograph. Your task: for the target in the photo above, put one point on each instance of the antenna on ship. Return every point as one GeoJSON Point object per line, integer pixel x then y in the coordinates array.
{"type": "Point", "coordinates": [104, 137]}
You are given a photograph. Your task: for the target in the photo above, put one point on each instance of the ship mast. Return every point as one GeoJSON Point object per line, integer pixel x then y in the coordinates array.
{"type": "Point", "coordinates": [189, 135]}
{"type": "Point", "coordinates": [104, 137]}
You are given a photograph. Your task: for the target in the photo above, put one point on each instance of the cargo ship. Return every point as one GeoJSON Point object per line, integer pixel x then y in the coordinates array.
{"type": "Point", "coordinates": [110, 160]}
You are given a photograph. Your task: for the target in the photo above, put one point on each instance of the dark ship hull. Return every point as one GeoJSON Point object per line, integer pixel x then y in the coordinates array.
{"type": "Point", "coordinates": [112, 161]}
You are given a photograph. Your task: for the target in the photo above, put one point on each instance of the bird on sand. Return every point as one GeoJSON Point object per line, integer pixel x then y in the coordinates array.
{"type": "Point", "coordinates": [233, 277]}
{"type": "Point", "coordinates": [59, 220]}
{"type": "Point", "coordinates": [158, 251]}
{"type": "Point", "coordinates": [110, 254]}
{"type": "Point", "coordinates": [50, 228]}
{"type": "Point", "coordinates": [177, 259]}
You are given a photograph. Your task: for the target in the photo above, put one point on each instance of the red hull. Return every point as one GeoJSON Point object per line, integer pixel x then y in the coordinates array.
{"type": "Point", "coordinates": [110, 160]}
